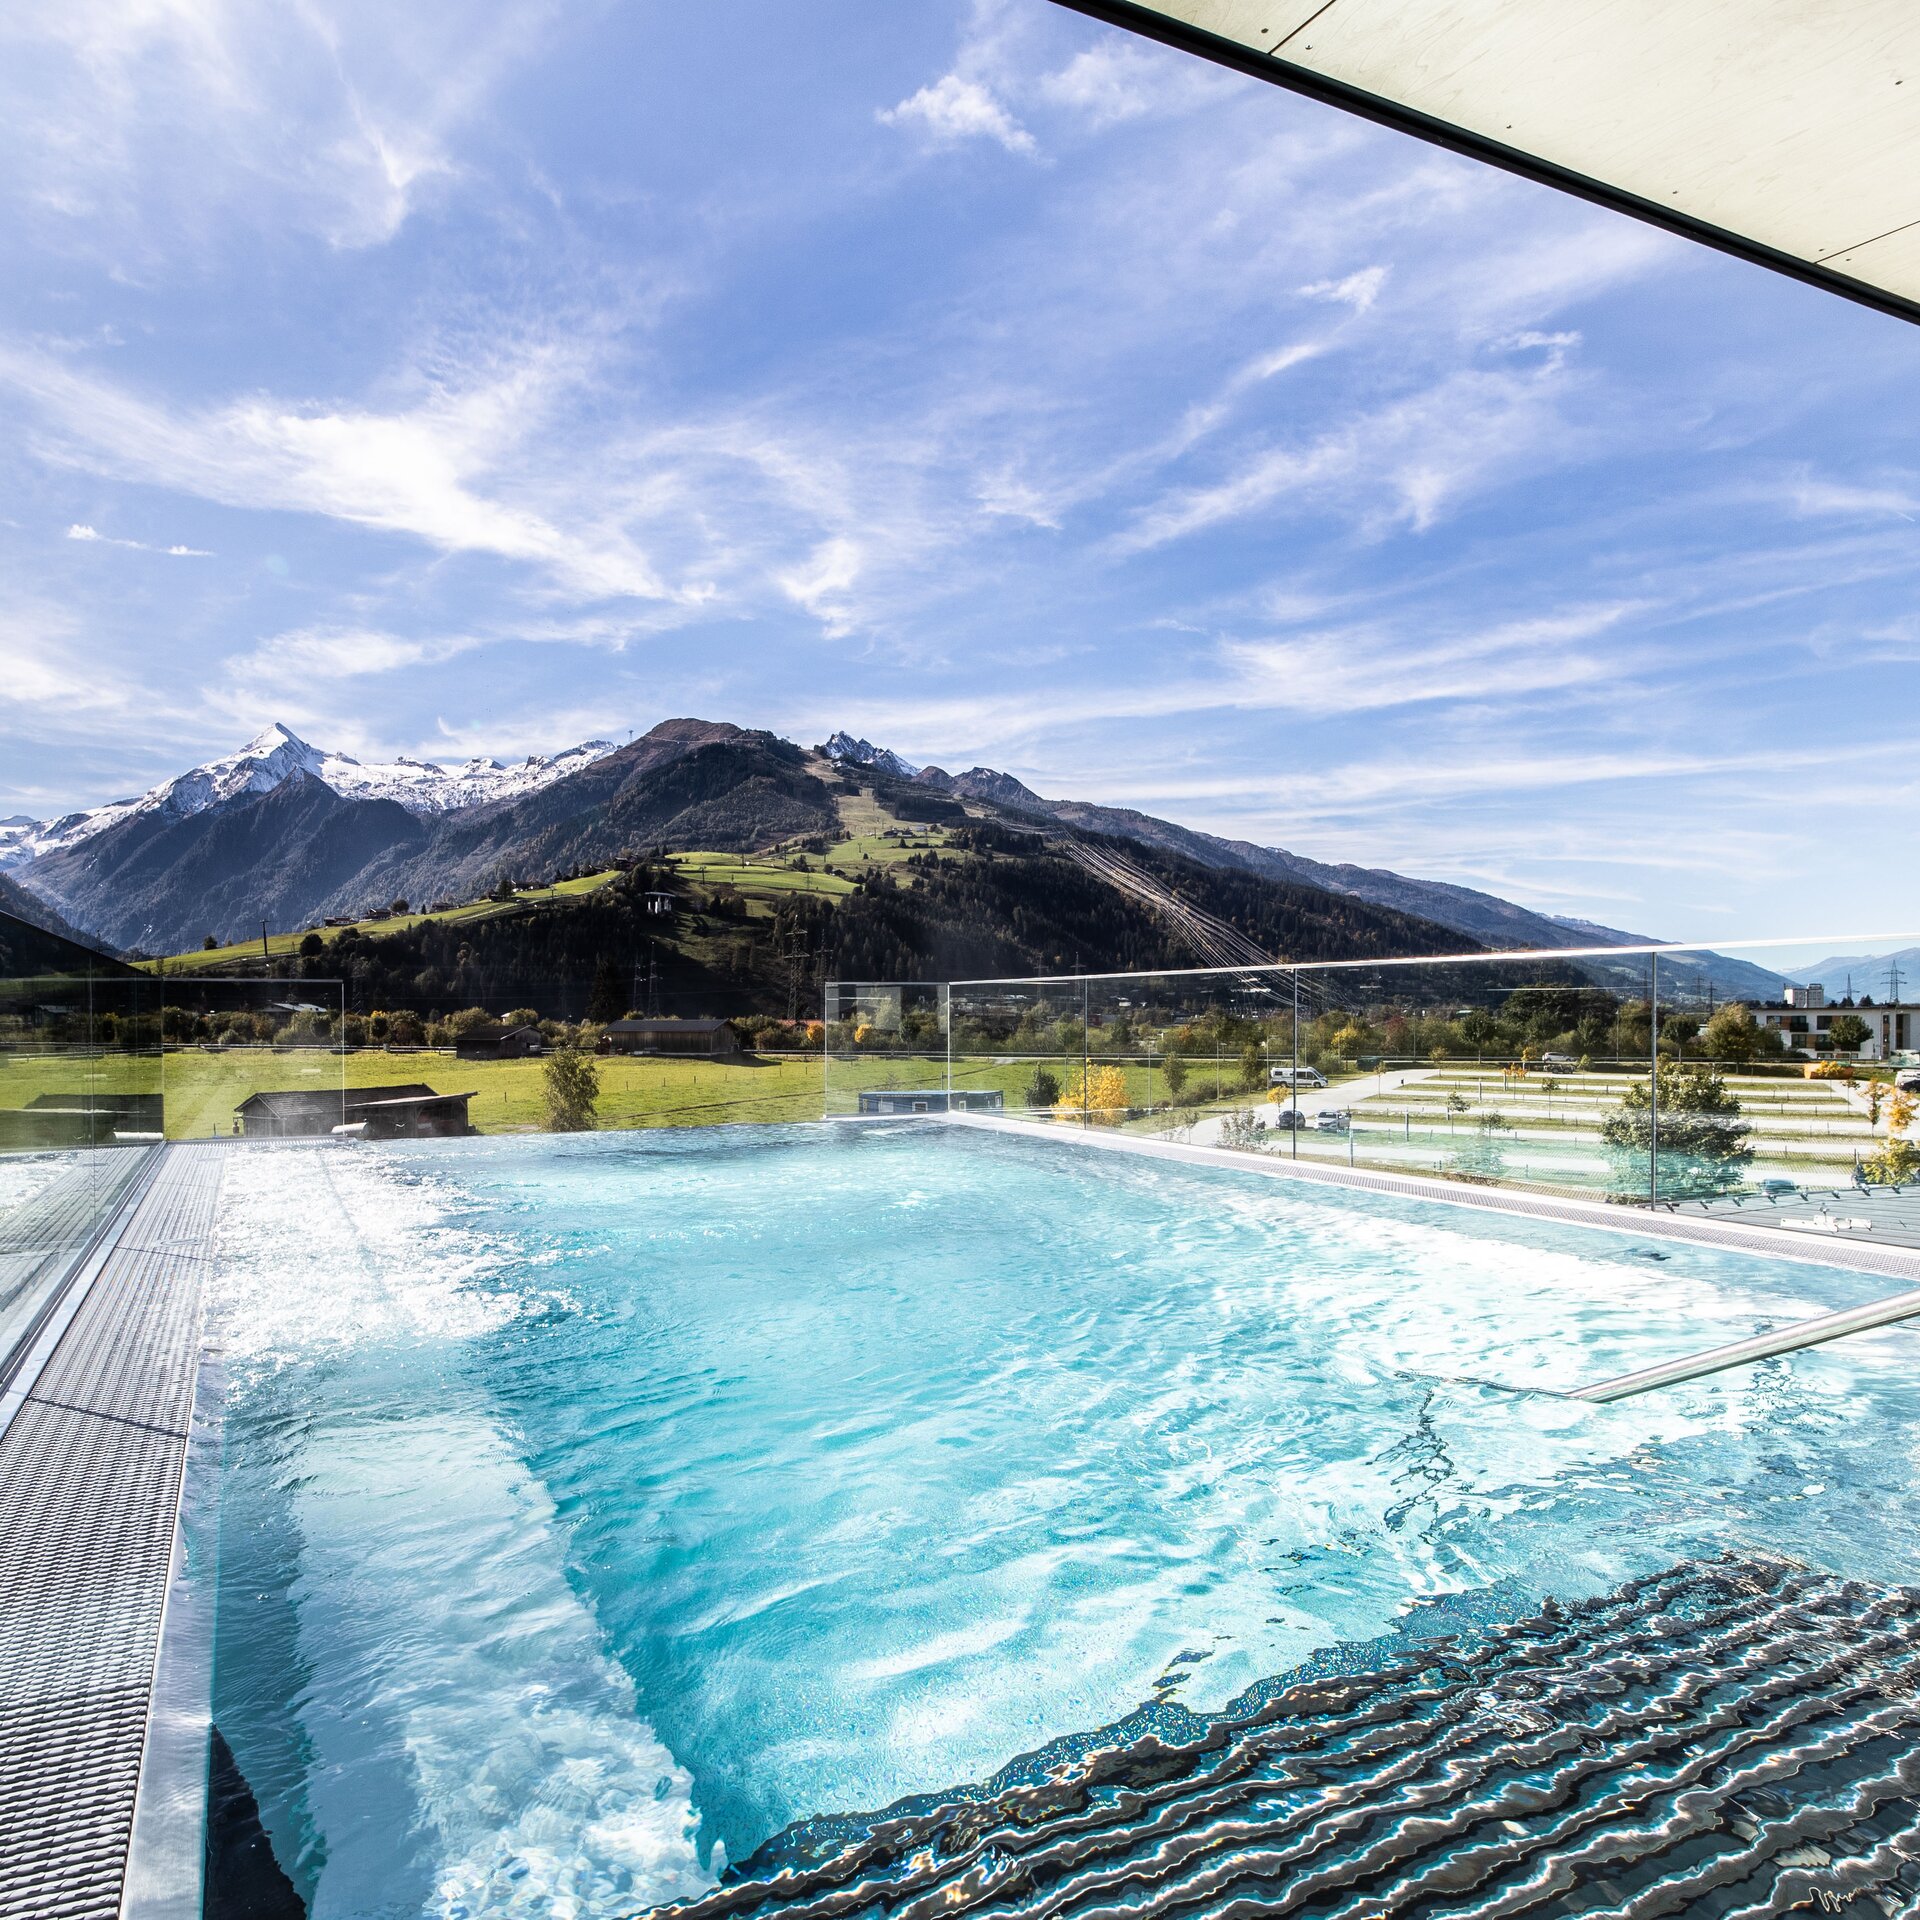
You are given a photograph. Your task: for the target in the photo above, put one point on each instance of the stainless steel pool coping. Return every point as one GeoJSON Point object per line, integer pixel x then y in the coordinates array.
{"type": "Point", "coordinates": [92, 1462]}
{"type": "Point", "coordinates": [166, 1855]}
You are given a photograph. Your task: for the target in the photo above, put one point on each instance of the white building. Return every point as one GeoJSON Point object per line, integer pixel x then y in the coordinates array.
{"type": "Point", "coordinates": [1804, 1015]}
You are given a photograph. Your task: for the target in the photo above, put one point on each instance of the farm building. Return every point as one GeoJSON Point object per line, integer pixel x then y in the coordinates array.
{"type": "Point", "coordinates": [710, 1039]}
{"type": "Point", "coordinates": [513, 1043]}
{"type": "Point", "coordinates": [80, 1120]}
{"type": "Point", "coordinates": [410, 1112]}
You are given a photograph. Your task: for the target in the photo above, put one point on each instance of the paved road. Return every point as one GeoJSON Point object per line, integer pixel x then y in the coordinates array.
{"type": "Point", "coordinates": [1206, 1133]}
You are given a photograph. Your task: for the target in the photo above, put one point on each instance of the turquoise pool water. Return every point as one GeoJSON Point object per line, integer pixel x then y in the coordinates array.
{"type": "Point", "coordinates": [593, 1508]}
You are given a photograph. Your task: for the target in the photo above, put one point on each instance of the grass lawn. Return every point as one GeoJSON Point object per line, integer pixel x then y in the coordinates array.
{"type": "Point", "coordinates": [203, 1086]}
{"type": "Point", "coordinates": [756, 876]}
{"type": "Point", "coordinates": [279, 945]}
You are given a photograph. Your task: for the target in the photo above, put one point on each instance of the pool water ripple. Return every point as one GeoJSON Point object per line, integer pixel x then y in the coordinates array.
{"type": "Point", "coordinates": [595, 1509]}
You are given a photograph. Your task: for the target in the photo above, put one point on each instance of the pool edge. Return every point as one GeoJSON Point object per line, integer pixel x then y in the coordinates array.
{"type": "Point", "coordinates": [1636, 1223]}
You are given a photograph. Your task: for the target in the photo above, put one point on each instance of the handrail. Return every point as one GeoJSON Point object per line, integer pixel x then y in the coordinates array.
{"type": "Point", "coordinates": [1802, 1333]}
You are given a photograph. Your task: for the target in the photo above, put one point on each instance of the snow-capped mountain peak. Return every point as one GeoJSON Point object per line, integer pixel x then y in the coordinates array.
{"type": "Point", "coordinates": [844, 750]}
{"type": "Point", "coordinates": [277, 754]}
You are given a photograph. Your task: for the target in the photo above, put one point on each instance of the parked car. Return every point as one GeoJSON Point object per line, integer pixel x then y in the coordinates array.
{"type": "Point", "coordinates": [1334, 1120]}
{"type": "Point", "coordinates": [1290, 1118]}
{"type": "Point", "coordinates": [1295, 1077]}
{"type": "Point", "coordinates": [1907, 1080]}
{"type": "Point", "coordinates": [1778, 1189]}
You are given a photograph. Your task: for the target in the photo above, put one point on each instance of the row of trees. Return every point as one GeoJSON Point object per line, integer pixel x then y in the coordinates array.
{"type": "Point", "coordinates": [1584, 1023]}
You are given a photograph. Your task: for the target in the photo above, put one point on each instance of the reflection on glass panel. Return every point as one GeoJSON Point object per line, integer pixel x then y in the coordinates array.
{"type": "Point", "coordinates": [1725, 1081]}
{"type": "Point", "coordinates": [267, 1059]}
{"type": "Point", "coordinates": [885, 1046]}
{"type": "Point", "coordinates": [82, 1107]}
{"type": "Point", "coordinates": [103, 1061]}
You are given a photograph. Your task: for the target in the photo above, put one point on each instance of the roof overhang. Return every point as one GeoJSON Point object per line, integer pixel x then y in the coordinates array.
{"type": "Point", "coordinates": [1781, 131]}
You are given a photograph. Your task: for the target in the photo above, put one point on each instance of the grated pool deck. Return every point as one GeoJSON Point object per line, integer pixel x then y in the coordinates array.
{"type": "Point", "coordinates": [91, 1463]}
{"type": "Point", "coordinates": [40, 1240]}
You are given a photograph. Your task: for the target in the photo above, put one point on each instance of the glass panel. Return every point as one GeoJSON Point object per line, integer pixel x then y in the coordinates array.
{"type": "Point", "coordinates": [885, 1048]}
{"type": "Point", "coordinates": [1729, 1079]}
{"type": "Point", "coordinates": [81, 1109]}
{"type": "Point", "coordinates": [268, 1058]}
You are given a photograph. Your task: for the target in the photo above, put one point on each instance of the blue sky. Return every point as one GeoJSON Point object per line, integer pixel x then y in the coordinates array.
{"type": "Point", "coordinates": [449, 380]}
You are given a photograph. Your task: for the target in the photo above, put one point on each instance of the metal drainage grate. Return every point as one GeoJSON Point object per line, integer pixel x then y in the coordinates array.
{"type": "Point", "coordinates": [89, 1488]}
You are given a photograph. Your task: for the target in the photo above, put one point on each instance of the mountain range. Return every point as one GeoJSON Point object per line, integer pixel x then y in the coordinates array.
{"type": "Point", "coordinates": [1865, 973]}
{"type": "Point", "coordinates": [278, 755]}
{"type": "Point", "coordinates": [285, 833]}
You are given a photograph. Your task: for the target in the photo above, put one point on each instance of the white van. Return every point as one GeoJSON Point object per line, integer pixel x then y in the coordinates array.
{"type": "Point", "coordinates": [1295, 1077]}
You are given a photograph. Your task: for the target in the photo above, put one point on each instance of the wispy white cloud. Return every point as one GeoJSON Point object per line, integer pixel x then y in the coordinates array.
{"type": "Point", "coordinates": [823, 585]}
{"type": "Point", "coordinates": [1402, 463]}
{"type": "Point", "coordinates": [332, 117]}
{"type": "Point", "coordinates": [1811, 496]}
{"type": "Point", "coordinates": [1358, 290]}
{"type": "Point", "coordinates": [45, 668]}
{"type": "Point", "coordinates": [440, 469]}
{"type": "Point", "coordinates": [301, 657]}
{"type": "Point", "coordinates": [1112, 81]}
{"type": "Point", "coordinates": [82, 532]}
{"type": "Point", "coordinates": [1349, 670]}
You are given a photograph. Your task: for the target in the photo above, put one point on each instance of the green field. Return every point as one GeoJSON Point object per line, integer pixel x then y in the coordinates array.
{"type": "Point", "coordinates": [762, 878]}
{"type": "Point", "coordinates": [280, 945]}
{"type": "Point", "coordinates": [763, 882]}
{"type": "Point", "coordinates": [204, 1085]}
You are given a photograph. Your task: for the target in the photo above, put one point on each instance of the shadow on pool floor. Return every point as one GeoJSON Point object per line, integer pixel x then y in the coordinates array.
{"type": "Point", "coordinates": [243, 1879]}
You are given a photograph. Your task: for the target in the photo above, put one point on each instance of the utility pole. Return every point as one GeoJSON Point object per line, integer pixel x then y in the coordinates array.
{"type": "Point", "coordinates": [264, 954]}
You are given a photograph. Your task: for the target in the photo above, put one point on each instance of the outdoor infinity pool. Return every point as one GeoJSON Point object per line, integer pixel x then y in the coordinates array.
{"type": "Point", "coordinates": [594, 1508]}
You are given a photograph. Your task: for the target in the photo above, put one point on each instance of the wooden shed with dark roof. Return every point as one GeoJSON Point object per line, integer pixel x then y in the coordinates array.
{"type": "Point", "coordinates": [413, 1111]}
{"type": "Point", "coordinates": [707, 1039]}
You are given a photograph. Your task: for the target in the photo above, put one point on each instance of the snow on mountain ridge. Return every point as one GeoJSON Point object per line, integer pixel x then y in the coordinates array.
{"type": "Point", "coordinates": [276, 755]}
{"type": "Point", "coordinates": [844, 750]}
